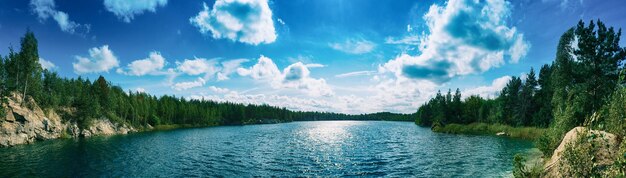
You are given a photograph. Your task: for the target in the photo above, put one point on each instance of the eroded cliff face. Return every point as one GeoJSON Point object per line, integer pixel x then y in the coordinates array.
{"type": "Point", "coordinates": [25, 122]}
{"type": "Point", "coordinates": [103, 126]}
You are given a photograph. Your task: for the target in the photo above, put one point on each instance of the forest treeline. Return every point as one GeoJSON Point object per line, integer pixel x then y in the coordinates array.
{"type": "Point", "coordinates": [585, 79]}
{"type": "Point", "coordinates": [82, 100]}
{"type": "Point", "coordinates": [520, 103]}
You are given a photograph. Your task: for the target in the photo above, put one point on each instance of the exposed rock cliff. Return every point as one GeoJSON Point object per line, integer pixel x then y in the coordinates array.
{"type": "Point", "coordinates": [25, 122]}
{"type": "Point", "coordinates": [105, 127]}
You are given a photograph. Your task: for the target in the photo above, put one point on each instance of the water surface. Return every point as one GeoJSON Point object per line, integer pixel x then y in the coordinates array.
{"type": "Point", "coordinates": [321, 148]}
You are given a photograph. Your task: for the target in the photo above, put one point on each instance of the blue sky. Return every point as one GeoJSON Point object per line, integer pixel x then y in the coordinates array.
{"type": "Point", "coordinates": [323, 55]}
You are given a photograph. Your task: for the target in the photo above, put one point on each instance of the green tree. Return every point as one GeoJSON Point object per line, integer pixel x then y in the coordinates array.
{"type": "Point", "coordinates": [543, 98]}
{"type": "Point", "coordinates": [13, 69]}
{"type": "Point", "coordinates": [472, 108]}
{"type": "Point", "coordinates": [509, 97]}
{"type": "Point", "coordinates": [526, 106]}
{"type": "Point", "coordinates": [3, 85]}
{"type": "Point", "coordinates": [30, 67]}
{"type": "Point", "coordinates": [457, 107]}
{"type": "Point", "coordinates": [101, 89]}
{"type": "Point", "coordinates": [600, 56]}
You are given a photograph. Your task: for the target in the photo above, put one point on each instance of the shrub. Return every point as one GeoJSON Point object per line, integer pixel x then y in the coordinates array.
{"type": "Point", "coordinates": [522, 169]}
{"type": "Point", "coordinates": [154, 120]}
{"type": "Point", "coordinates": [578, 158]}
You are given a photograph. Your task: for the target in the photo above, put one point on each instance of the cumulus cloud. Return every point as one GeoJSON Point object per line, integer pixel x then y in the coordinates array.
{"type": "Point", "coordinates": [126, 10]}
{"type": "Point", "coordinates": [206, 68]}
{"type": "Point", "coordinates": [153, 65]}
{"type": "Point", "coordinates": [289, 102]}
{"type": "Point", "coordinates": [45, 9]}
{"type": "Point", "coordinates": [386, 96]}
{"type": "Point", "coordinates": [296, 76]}
{"type": "Point", "coordinates": [401, 95]}
{"type": "Point", "coordinates": [187, 85]}
{"type": "Point", "coordinates": [464, 37]}
{"type": "Point", "coordinates": [219, 90]}
{"type": "Point", "coordinates": [264, 69]}
{"type": "Point", "coordinates": [198, 66]}
{"type": "Point", "coordinates": [245, 21]}
{"type": "Point", "coordinates": [354, 46]}
{"type": "Point", "coordinates": [45, 64]}
{"type": "Point", "coordinates": [229, 67]}
{"type": "Point", "coordinates": [490, 91]}
{"type": "Point", "coordinates": [100, 60]}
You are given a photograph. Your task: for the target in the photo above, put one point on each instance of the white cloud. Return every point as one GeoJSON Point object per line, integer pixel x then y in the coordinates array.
{"type": "Point", "coordinates": [314, 65]}
{"type": "Point", "coordinates": [294, 76]}
{"type": "Point", "coordinates": [127, 9]}
{"type": "Point", "coordinates": [356, 73]}
{"type": "Point", "coordinates": [219, 90]}
{"type": "Point", "coordinates": [281, 21]}
{"type": "Point", "coordinates": [46, 9]}
{"type": "Point", "coordinates": [187, 85]}
{"type": "Point", "coordinates": [45, 64]}
{"type": "Point", "coordinates": [490, 91]}
{"type": "Point", "coordinates": [140, 90]}
{"type": "Point", "coordinates": [406, 40]}
{"type": "Point", "coordinates": [264, 69]}
{"type": "Point", "coordinates": [298, 76]}
{"type": "Point", "coordinates": [390, 95]}
{"type": "Point", "coordinates": [291, 103]}
{"type": "Point", "coordinates": [229, 67]}
{"type": "Point", "coordinates": [567, 5]}
{"type": "Point", "coordinates": [465, 37]}
{"type": "Point", "coordinates": [245, 21]}
{"type": "Point", "coordinates": [354, 46]}
{"type": "Point", "coordinates": [401, 95]}
{"type": "Point", "coordinates": [208, 68]}
{"type": "Point", "coordinates": [198, 66]}
{"type": "Point", "coordinates": [100, 60]}
{"type": "Point", "coordinates": [153, 65]}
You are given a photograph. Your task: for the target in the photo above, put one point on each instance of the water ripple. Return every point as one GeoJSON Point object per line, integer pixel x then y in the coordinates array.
{"type": "Point", "coordinates": [300, 149]}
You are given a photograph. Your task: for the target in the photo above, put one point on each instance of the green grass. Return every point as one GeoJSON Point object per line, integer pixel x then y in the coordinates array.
{"type": "Point", "coordinates": [530, 133]}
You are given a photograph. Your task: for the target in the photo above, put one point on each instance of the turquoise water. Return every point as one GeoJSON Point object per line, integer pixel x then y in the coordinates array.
{"type": "Point", "coordinates": [321, 148]}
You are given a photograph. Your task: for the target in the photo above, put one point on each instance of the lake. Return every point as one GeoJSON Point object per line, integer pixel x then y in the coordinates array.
{"type": "Point", "coordinates": [319, 148]}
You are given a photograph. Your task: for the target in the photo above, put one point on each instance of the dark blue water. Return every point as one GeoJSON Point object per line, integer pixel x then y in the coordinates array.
{"type": "Point", "coordinates": [323, 148]}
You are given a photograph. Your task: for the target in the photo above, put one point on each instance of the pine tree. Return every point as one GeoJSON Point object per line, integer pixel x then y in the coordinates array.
{"type": "Point", "coordinates": [600, 56]}
{"type": "Point", "coordinates": [30, 67]}
{"type": "Point", "coordinates": [3, 86]}
{"type": "Point", "coordinates": [543, 99]}
{"type": "Point", "coordinates": [457, 107]}
{"type": "Point", "coordinates": [526, 104]}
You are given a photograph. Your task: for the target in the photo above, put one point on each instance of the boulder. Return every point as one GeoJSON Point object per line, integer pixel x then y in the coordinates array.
{"type": "Point", "coordinates": [605, 150]}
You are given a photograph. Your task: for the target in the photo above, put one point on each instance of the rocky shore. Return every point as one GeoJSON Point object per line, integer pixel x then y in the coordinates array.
{"type": "Point", "coordinates": [25, 122]}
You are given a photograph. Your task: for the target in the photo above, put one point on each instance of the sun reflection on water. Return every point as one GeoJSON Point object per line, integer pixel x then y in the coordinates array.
{"type": "Point", "coordinates": [330, 132]}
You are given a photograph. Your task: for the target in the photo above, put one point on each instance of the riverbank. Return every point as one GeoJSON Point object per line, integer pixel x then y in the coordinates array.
{"type": "Point", "coordinates": [529, 133]}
